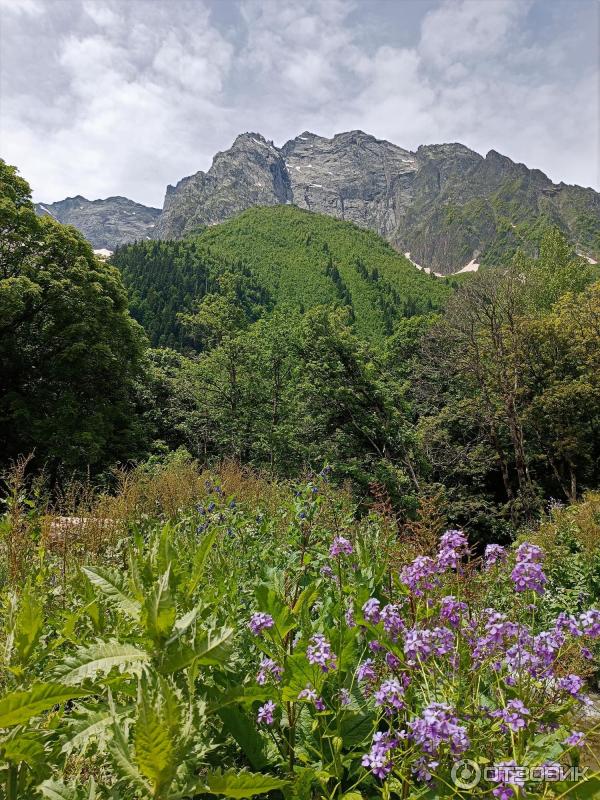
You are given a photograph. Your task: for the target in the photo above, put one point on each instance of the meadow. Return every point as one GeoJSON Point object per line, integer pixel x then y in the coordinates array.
{"type": "Point", "coordinates": [201, 634]}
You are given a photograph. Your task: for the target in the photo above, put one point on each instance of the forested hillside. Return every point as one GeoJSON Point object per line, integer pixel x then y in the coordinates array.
{"type": "Point", "coordinates": [294, 258]}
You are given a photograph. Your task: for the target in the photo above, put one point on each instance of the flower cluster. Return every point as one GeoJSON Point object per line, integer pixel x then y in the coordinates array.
{"type": "Point", "coordinates": [319, 652]}
{"type": "Point", "coordinates": [512, 716]}
{"type": "Point", "coordinates": [379, 758]}
{"type": "Point", "coordinates": [453, 546]}
{"type": "Point", "coordinates": [420, 575]}
{"type": "Point", "coordinates": [268, 668]}
{"type": "Point", "coordinates": [260, 622]}
{"type": "Point", "coordinates": [494, 554]}
{"type": "Point", "coordinates": [438, 725]}
{"type": "Point", "coordinates": [340, 546]}
{"type": "Point", "coordinates": [528, 573]}
{"type": "Point", "coordinates": [390, 696]}
{"type": "Point", "coordinates": [265, 713]}
{"type": "Point", "coordinates": [310, 695]}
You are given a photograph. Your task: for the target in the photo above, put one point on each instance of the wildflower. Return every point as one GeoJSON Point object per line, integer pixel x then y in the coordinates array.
{"type": "Point", "coordinates": [310, 695]}
{"type": "Point", "coordinates": [371, 610]}
{"type": "Point", "coordinates": [453, 546]}
{"type": "Point", "coordinates": [260, 622]}
{"type": "Point", "coordinates": [344, 697]}
{"type": "Point", "coordinates": [420, 575]}
{"type": "Point", "coordinates": [339, 546]}
{"type": "Point", "coordinates": [443, 641]}
{"type": "Point", "coordinates": [379, 758]}
{"type": "Point", "coordinates": [590, 622]}
{"type": "Point", "coordinates": [417, 645]}
{"type": "Point", "coordinates": [390, 695]}
{"type": "Point", "coordinates": [575, 739]}
{"type": "Point", "coordinates": [349, 617]}
{"type": "Point", "coordinates": [365, 671]}
{"type": "Point", "coordinates": [326, 571]}
{"type": "Point", "coordinates": [451, 610]}
{"type": "Point", "coordinates": [319, 652]}
{"type": "Point", "coordinates": [439, 725]}
{"type": "Point", "coordinates": [392, 621]}
{"type": "Point", "coordinates": [529, 552]}
{"type": "Point", "coordinates": [268, 668]}
{"type": "Point", "coordinates": [392, 661]}
{"type": "Point", "coordinates": [493, 554]}
{"type": "Point", "coordinates": [265, 713]}
{"type": "Point", "coordinates": [374, 646]}
{"type": "Point", "coordinates": [528, 573]}
{"type": "Point", "coordinates": [503, 792]}
{"type": "Point", "coordinates": [567, 622]}
{"type": "Point", "coordinates": [572, 684]}
{"type": "Point", "coordinates": [513, 716]}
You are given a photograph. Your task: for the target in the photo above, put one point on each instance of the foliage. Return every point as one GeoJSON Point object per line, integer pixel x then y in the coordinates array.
{"type": "Point", "coordinates": [69, 350]}
{"type": "Point", "coordinates": [241, 649]}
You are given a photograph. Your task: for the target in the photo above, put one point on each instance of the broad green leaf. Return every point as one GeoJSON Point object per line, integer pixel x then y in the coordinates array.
{"type": "Point", "coordinates": [85, 727]}
{"type": "Point", "coordinates": [29, 620]}
{"type": "Point", "coordinates": [111, 584]}
{"type": "Point", "coordinates": [154, 738]}
{"type": "Point", "coordinates": [27, 747]}
{"type": "Point", "coordinates": [158, 615]}
{"type": "Point", "coordinates": [100, 658]}
{"type": "Point", "coordinates": [272, 603]}
{"type": "Point", "coordinates": [244, 732]}
{"type": "Point", "coordinates": [209, 648]}
{"type": "Point", "coordinates": [200, 557]}
{"type": "Point", "coordinates": [19, 707]}
{"type": "Point", "coordinates": [124, 763]}
{"type": "Point", "coordinates": [57, 790]}
{"type": "Point", "coordinates": [241, 784]}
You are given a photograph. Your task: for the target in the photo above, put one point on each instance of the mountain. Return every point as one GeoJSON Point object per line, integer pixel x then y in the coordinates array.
{"type": "Point", "coordinates": [445, 205]}
{"type": "Point", "coordinates": [105, 223]}
{"type": "Point", "coordinates": [292, 258]}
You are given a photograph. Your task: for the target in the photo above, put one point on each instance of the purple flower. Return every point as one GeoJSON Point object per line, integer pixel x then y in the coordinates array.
{"type": "Point", "coordinates": [375, 646]}
{"type": "Point", "coordinates": [453, 546]}
{"type": "Point", "coordinates": [390, 696]}
{"type": "Point", "coordinates": [349, 617]}
{"type": "Point", "coordinates": [339, 546]}
{"type": "Point", "coordinates": [572, 684]}
{"type": "Point", "coordinates": [528, 575]}
{"type": "Point", "coordinates": [418, 645]}
{"type": "Point", "coordinates": [379, 758]}
{"type": "Point", "coordinates": [392, 621]}
{"type": "Point", "coordinates": [260, 622]}
{"type": "Point", "coordinates": [268, 668]}
{"type": "Point", "coordinates": [344, 697]}
{"type": "Point", "coordinates": [575, 739]}
{"type": "Point", "coordinates": [567, 622]}
{"type": "Point", "coordinates": [392, 661]}
{"type": "Point", "coordinates": [590, 622]}
{"type": "Point", "coordinates": [365, 671]}
{"type": "Point", "coordinates": [494, 554]}
{"type": "Point", "coordinates": [442, 640]}
{"type": "Point", "coordinates": [529, 552]}
{"type": "Point", "coordinates": [420, 575]}
{"type": "Point", "coordinates": [371, 610]}
{"type": "Point", "coordinates": [326, 571]}
{"type": "Point", "coordinates": [319, 652]}
{"type": "Point", "coordinates": [439, 725]}
{"type": "Point", "coordinates": [503, 792]}
{"type": "Point", "coordinates": [309, 694]}
{"type": "Point", "coordinates": [513, 716]}
{"type": "Point", "coordinates": [265, 713]}
{"type": "Point", "coordinates": [452, 609]}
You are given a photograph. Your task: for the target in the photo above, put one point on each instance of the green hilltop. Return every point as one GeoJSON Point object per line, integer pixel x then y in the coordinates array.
{"type": "Point", "coordinates": [291, 257]}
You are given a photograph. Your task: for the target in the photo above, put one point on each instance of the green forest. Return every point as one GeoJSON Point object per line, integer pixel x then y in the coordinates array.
{"type": "Point", "coordinates": [284, 516]}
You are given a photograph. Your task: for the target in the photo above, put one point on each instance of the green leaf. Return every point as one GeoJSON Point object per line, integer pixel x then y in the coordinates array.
{"type": "Point", "coordinates": [83, 728]}
{"type": "Point", "coordinates": [202, 553]}
{"type": "Point", "coordinates": [155, 750]}
{"type": "Point", "coordinates": [100, 658]}
{"type": "Point", "coordinates": [272, 603]}
{"type": "Point", "coordinates": [244, 732]}
{"type": "Point", "coordinates": [241, 784]}
{"type": "Point", "coordinates": [57, 790]}
{"type": "Point", "coordinates": [18, 707]}
{"type": "Point", "coordinates": [123, 761]}
{"type": "Point", "coordinates": [27, 747]}
{"type": "Point", "coordinates": [28, 624]}
{"type": "Point", "coordinates": [159, 611]}
{"type": "Point", "coordinates": [111, 584]}
{"type": "Point", "coordinates": [210, 648]}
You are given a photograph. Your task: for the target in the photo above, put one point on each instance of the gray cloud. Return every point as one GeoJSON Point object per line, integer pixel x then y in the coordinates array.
{"type": "Point", "coordinates": [102, 97]}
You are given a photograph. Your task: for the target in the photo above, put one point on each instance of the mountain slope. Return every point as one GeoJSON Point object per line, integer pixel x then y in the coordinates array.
{"type": "Point", "coordinates": [445, 204]}
{"type": "Point", "coordinates": [105, 223]}
{"type": "Point", "coordinates": [294, 258]}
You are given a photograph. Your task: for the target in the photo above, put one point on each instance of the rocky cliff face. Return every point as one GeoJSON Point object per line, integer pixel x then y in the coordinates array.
{"type": "Point", "coordinates": [445, 204]}
{"type": "Point", "coordinates": [105, 223]}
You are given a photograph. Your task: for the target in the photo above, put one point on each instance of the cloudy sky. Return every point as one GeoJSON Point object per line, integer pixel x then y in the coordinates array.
{"type": "Point", "coordinates": [107, 97]}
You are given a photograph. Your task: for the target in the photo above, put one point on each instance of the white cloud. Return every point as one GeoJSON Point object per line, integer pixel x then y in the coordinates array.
{"type": "Point", "coordinates": [104, 97]}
